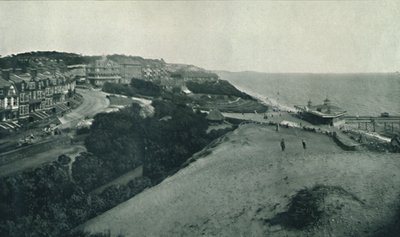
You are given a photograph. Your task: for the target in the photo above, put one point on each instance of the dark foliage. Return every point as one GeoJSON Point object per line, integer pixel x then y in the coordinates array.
{"type": "Point", "coordinates": [120, 58]}
{"type": "Point", "coordinates": [306, 207]}
{"type": "Point", "coordinates": [24, 60]}
{"type": "Point", "coordinates": [220, 87]}
{"type": "Point", "coordinates": [125, 140]}
{"type": "Point", "coordinates": [83, 130]}
{"type": "Point", "coordinates": [136, 88]}
{"type": "Point", "coordinates": [45, 202]}
{"type": "Point", "coordinates": [64, 159]}
{"type": "Point", "coordinates": [146, 87]}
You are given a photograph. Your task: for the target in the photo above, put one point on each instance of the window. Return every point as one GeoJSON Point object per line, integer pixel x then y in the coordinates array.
{"type": "Point", "coordinates": [15, 101]}
{"type": "Point", "coordinates": [1, 92]}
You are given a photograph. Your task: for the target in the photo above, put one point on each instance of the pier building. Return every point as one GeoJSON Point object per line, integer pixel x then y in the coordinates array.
{"type": "Point", "coordinates": [325, 113]}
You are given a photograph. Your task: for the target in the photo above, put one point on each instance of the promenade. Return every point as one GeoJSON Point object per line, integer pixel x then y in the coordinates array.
{"type": "Point", "coordinates": [44, 152]}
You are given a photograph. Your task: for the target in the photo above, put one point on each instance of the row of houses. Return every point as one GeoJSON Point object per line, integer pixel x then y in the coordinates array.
{"type": "Point", "coordinates": [26, 96]}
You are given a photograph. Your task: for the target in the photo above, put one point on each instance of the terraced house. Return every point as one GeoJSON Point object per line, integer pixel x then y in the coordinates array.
{"type": "Point", "coordinates": [31, 96]}
{"type": "Point", "coordinates": [8, 101]}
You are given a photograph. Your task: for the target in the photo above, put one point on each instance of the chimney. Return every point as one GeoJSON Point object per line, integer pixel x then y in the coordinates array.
{"type": "Point", "coordinates": [5, 73]}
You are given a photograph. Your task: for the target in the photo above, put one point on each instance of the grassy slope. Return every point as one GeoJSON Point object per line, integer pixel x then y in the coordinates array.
{"type": "Point", "coordinates": [247, 179]}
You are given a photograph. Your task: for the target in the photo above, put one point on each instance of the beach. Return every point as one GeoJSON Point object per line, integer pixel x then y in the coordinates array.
{"type": "Point", "coordinates": [357, 93]}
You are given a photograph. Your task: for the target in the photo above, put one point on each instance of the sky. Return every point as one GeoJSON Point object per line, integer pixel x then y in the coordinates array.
{"type": "Point", "coordinates": [274, 36]}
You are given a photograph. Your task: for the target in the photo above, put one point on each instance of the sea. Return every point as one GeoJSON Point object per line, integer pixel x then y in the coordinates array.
{"type": "Point", "coordinates": [359, 94]}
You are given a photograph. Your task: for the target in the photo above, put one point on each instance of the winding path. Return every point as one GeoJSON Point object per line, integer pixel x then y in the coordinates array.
{"type": "Point", "coordinates": [94, 102]}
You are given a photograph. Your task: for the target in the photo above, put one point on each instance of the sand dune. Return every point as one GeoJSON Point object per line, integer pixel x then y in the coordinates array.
{"type": "Point", "coordinates": [248, 179]}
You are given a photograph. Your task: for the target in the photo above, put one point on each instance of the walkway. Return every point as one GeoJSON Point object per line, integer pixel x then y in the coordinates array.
{"type": "Point", "coordinates": [93, 102]}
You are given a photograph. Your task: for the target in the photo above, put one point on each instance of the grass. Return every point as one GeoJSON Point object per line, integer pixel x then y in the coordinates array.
{"type": "Point", "coordinates": [114, 100]}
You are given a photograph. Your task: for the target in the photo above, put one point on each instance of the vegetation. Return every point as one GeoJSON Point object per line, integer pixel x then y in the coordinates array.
{"type": "Point", "coordinates": [25, 60]}
{"type": "Point", "coordinates": [49, 202]}
{"type": "Point", "coordinates": [136, 88]}
{"type": "Point", "coordinates": [124, 140]}
{"type": "Point", "coordinates": [220, 87]}
{"type": "Point", "coordinates": [46, 202]}
{"type": "Point", "coordinates": [306, 208]}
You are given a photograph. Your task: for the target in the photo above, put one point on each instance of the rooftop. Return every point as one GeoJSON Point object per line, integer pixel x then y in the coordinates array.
{"type": "Point", "coordinates": [326, 110]}
{"type": "Point", "coordinates": [4, 83]}
{"type": "Point", "coordinates": [103, 62]}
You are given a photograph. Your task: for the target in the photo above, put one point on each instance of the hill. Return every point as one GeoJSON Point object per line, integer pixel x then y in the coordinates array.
{"type": "Point", "coordinates": [62, 59]}
{"type": "Point", "coordinates": [246, 186]}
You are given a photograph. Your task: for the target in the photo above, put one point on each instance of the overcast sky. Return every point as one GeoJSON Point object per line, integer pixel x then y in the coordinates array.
{"type": "Point", "coordinates": [288, 36]}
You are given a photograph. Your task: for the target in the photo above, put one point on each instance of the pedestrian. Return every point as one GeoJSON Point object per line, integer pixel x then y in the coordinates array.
{"type": "Point", "coordinates": [283, 144]}
{"type": "Point", "coordinates": [304, 144]}
{"type": "Point", "coordinates": [277, 127]}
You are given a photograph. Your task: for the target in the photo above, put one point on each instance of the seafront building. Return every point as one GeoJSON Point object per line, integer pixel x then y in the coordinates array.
{"type": "Point", "coordinates": [31, 96]}
{"type": "Point", "coordinates": [8, 101]}
{"type": "Point", "coordinates": [130, 70]}
{"type": "Point", "coordinates": [325, 113]}
{"type": "Point", "coordinates": [103, 70]}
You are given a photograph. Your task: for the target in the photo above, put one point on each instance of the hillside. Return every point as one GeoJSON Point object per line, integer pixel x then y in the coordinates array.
{"type": "Point", "coordinates": [244, 185]}
{"type": "Point", "coordinates": [60, 59]}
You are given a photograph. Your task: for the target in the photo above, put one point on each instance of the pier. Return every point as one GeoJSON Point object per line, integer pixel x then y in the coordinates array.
{"type": "Point", "coordinates": [366, 122]}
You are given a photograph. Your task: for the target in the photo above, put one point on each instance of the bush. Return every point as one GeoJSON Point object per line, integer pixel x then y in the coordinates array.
{"type": "Point", "coordinates": [220, 87]}
{"type": "Point", "coordinates": [136, 88]}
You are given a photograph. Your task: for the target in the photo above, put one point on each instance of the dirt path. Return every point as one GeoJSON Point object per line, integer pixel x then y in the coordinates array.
{"type": "Point", "coordinates": [248, 178]}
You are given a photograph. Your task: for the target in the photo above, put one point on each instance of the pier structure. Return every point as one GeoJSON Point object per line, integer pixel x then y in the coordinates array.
{"type": "Point", "coordinates": [323, 114]}
{"type": "Point", "coordinates": [371, 122]}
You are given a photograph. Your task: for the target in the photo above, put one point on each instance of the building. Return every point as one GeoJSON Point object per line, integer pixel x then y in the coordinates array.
{"type": "Point", "coordinates": [325, 113]}
{"type": "Point", "coordinates": [215, 116]}
{"type": "Point", "coordinates": [78, 72]}
{"type": "Point", "coordinates": [8, 99]}
{"type": "Point", "coordinates": [155, 73]}
{"type": "Point", "coordinates": [199, 76]}
{"type": "Point", "coordinates": [33, 95]}
{"type": "Point", "coordinates": [102, 71]}
{"type": "Point", "coordinates": [129, 71]}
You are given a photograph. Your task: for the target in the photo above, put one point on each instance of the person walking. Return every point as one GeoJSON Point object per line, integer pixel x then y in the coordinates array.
{"type": "Point", "coordinates": [304, 144]}
{"type": "Point", "coordinates": [283, 144]}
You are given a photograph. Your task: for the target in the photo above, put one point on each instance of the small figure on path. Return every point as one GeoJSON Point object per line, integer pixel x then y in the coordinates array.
{"type": "Point", "coordinates": [283, 144]}
{"type": "Point", "coordinates": [304, 144]}
{"type": "Point", "coordinates": [277, 127]}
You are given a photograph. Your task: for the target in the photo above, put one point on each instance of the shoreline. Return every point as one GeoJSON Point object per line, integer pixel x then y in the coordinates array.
{"type": "Point", "coordinates": [285, 108]}
{"type": "Point", "coordinates": [268, 101]}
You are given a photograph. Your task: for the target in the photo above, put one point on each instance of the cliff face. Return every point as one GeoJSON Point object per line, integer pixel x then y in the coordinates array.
{"type": "Point", "coordinates": [247, 181]}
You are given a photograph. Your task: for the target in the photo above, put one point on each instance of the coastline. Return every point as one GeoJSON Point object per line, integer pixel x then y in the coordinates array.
{"type": "Point", "coordinates": [268, 101]}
